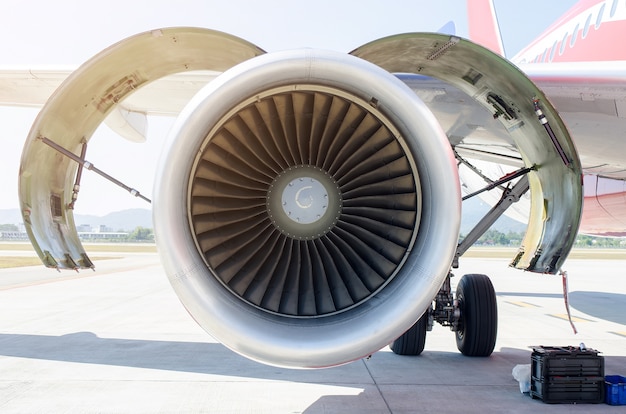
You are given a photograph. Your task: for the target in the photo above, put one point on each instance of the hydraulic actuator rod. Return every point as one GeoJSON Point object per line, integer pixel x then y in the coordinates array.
{"type": "Point", "coordinates": [86, 164]}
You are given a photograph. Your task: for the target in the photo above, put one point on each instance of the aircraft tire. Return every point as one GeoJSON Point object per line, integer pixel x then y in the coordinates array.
{"type": "Point", "coordinates": [478, 323]}
{"type": "Point", "coordinates": [412, 341]}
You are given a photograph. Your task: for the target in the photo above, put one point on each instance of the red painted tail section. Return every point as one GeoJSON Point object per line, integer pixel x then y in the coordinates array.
{"type": "Point", "coordinates": [483, 25]}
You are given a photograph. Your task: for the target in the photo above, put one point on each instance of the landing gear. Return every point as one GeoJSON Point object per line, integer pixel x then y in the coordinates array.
{"type": "Point", "coordinates": [473, 316]}
{"type": "Point", "coordinates": [477, 326]}
{"type": "Point", "coordinates": [473, 313]}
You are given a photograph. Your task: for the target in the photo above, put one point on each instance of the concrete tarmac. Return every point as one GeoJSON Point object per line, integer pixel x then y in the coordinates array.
{"type": "Point", "coordinates": [118, 341]}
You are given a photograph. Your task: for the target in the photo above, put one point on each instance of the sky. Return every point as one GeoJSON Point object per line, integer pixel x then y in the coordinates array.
{"type": "Point", "coordinates": [65, 33]}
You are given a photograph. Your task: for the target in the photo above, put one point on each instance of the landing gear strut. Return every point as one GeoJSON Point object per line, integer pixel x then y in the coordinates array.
{"type": "Point", "coordinates": [473, 314]}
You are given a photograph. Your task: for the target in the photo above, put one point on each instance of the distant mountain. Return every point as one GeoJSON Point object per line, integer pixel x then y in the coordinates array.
{"type": "Point", "coordinates": [125, 220]}
{"type": "Point", "coordinates": [119, 220]}
{"type": "Point", "coordinates": [10, 216]}
{"type": "Point", "coordinates": [474, 209]}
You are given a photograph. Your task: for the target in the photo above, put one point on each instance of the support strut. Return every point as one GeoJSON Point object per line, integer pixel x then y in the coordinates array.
{"type": "Point", "coordinates": [86, 164]}
{"type": "Point", "coordinates": [509, 196]}
{"type": "Point", "coordinates": [507, 178]}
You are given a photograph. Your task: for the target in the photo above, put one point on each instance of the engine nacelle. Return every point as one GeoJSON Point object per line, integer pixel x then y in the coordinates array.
{"type": "Point", "coordinates": [307, 208]}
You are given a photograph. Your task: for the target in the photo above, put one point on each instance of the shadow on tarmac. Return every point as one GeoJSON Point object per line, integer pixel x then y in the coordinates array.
{"type": "Point", "coordinates": [216, 359]}
{"type": "Point", "coordinates": [88, 348]}
{"type": "Point", "coordinates": [387, 382]}
{"type": "Point", "coordinates": [602, 305]}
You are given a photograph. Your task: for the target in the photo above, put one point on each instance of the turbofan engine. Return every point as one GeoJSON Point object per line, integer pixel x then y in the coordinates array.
{"type": "Point", "coordinates": [307, 208]}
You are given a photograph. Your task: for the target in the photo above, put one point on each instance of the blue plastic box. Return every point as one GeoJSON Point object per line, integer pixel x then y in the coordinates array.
{"type": "Point", "coordinates": [615, 390]}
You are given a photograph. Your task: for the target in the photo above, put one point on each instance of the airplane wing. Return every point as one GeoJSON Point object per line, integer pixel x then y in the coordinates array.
{"type": "Point", "coordinates": [588, 95]}
{"type": "Point", "coordinates": [591, 99]}
{"type": "Point", "coordinates": [166, 96]}
{"type": "Point", "coordinates": [29, 87]}
{"type": "Point", "coordinates": [32, 87]}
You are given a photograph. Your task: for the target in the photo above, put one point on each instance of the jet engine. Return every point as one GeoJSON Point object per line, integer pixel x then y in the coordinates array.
{"type": "Point", "coordinates": [307, 205]}
{"type": "Point", "coordinates": [307, 208]}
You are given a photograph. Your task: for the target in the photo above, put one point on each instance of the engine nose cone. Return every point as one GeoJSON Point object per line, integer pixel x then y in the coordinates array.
{"type": "Point", "coordinates": [304, 202]}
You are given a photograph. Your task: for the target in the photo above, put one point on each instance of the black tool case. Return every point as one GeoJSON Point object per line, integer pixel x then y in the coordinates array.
{"type": "Point", "coordinates": [567, 375]}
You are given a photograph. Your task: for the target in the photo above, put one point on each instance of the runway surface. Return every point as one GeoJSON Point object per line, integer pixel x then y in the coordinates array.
{"type": "Point", "coordinates": [118, 341]}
